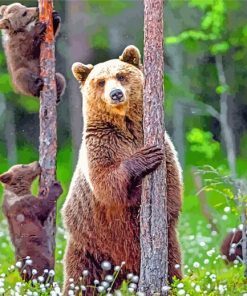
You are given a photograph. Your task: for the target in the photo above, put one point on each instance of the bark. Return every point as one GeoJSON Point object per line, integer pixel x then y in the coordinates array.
{"type": "Point", "coordinates": [48, 118]}
{"type": "Point", "coordinates": [153, 218]}
{"type": "Point", "coordinates": [227, 132]}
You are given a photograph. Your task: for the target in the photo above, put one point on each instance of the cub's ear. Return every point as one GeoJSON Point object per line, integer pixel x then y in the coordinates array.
{"type": "Point", "coordinates": [4, 24]}
{"type": "Point", "coordinates": [131, 55]}
{"type": "Point", "coordinates": [6, 177]}
{"type": "Point", "coordinates": [2, 9]}
{"type": "Point", "coordinates": [81, 71]}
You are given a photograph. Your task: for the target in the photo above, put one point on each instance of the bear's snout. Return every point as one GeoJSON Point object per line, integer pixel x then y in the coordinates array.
{"type": "Point", "coordinates": [116, 95]}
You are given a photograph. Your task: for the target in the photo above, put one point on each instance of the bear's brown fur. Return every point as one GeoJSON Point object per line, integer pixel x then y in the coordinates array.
{"type": "Point", "coordinates": [26, 216]}
{"type": "Point", "coordinates": [22, 36]}
{"type": "Point", "coordinates": [231, 246]}
{"type": "Point", "coordinates": [101, 212]}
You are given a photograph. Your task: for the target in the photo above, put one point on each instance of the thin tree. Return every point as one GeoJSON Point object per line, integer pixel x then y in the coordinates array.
{"type": "Point", "coordinates": [153, 219]}
{"type": "Point", "coordinates": [48, 117]}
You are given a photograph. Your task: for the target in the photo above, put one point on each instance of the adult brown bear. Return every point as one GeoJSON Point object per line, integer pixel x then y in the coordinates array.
{"type": "Point", "coordinates": [101, 212]}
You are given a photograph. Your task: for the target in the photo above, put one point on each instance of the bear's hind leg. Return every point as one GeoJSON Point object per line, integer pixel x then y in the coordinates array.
{"type": "Point", "coordinates": [27, 83]}
{"type": "Point", "coordinates": [61, 84]}
{"type": "Point", "coordinates": [75, 261]}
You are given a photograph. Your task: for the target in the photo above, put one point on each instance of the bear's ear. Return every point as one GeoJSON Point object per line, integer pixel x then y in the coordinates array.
{"type": "Point", "coordinates": [4, 24]}
{"type": "Point", "coordinates": [131, 55]}
{"type": "Point", "coordinates": [6, 177]}
{"type": "Point", "coordinates": [2, 9]}
{"type": "Point", "coordinates": [81, 71]}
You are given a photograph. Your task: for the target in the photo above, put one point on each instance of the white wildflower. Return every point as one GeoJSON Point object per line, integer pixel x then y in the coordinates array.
{"type": "Point", "coordinates": [135, 279]}
{"type": "Point", "coordinates": [106, 265]}
{"type": "Point", "coordinates": [165, 288]}
{"type": "Point", "coordinates": [109, 278]}
{"type": "Point", "coordinates": [196, 264]}
{"type": "Point", "coordinates": [51, 272]}
{"type": "Point", "coordinates": [85, 273]}
{"type": "Point", "coordinates": [18, 264]}
{"type": "Point", "coordinates": [227, 209]}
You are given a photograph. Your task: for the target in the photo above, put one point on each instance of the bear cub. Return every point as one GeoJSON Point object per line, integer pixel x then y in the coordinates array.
{"type": "Point", "coordinates": [22, 35]}
{"type": "Point", "coordinates": [26, 215]}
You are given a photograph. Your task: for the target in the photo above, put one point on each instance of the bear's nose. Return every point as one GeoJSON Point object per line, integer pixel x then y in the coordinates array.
{"type": "Point", "coordinates": [116, 95]}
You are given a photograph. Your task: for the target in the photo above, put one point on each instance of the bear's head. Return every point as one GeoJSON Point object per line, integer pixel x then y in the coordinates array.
{"type": "Point", "coordinates": [115, 86]}
{"type": "Point", "coordinates": [18, 179]}
{"type": "Point", "coordinates": [16, 17]}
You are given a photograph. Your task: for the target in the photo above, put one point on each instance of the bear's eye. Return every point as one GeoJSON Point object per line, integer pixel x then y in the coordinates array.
{"type": "Point", "coordinates": [24, 166]}
{"type": "Point", "coordinates": [120, 77]}
{"type": "Point", "coordinates": [101, 83]}
{"type": "Point", "coordinates": [24, 14]}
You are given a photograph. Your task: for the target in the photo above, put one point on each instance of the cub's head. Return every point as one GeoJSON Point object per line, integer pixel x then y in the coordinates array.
{"type": "Point", "coordinates": [18, 179]}
{"type": "Point", "coordinates": [115, 85]}
{"type": "Point", "coordinates": [16, 16]}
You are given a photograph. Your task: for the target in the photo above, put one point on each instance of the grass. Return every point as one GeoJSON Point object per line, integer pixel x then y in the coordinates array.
{"type": "Point", "coordinates": [205, 273]}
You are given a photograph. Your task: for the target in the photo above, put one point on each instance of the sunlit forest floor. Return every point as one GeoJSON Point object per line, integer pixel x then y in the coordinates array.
{"type": "Point", "coordinates": [205, 273]}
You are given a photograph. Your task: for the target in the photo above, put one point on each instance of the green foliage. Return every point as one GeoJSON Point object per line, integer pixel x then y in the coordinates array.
{"type": "Point", "coordinates": [109, 7]}
{"type": "Point", "coordinates": [211, 27]}
{"type": "Point", "coordinates": [202, 142]}
{"type": "Point", "coordinates": [100, 39]}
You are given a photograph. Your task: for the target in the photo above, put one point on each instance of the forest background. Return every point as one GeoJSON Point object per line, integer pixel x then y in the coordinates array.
{"type": "Point", "coordinates": [206, 115]}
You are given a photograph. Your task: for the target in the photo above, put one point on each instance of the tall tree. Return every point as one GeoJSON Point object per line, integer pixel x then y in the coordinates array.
{"type": "Point", "coordinates": [48, 117]}
{"type": "Point", "coordinates": [153, 219]}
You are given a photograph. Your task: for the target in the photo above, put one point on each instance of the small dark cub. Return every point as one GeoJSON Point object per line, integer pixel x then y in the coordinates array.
{"type": "Point", "coordinates": [26, 215]}
{"type": "Point", "coordinates": [22, 35]}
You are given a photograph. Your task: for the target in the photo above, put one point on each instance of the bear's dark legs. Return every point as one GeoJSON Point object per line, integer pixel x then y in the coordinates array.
{"type": "Point", "coordinates": [56, 23]}
{"type": "Point", "coordinates": [75, 261]}
{"type": "Point", "coordinates": [174, 254]}
{"type": "Point", "coordinates": [27, 82]}
{"type": "Point", "coordinates": [61, 84]}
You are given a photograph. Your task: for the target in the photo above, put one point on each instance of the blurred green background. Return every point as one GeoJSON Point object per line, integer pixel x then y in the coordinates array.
{"type": "Point", "coordinates": [206, 114]}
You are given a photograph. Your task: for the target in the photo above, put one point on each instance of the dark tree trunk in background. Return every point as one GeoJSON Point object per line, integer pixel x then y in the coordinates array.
{"type": "Point", "coordinates": [79, 50]}
{"type": "Point", "coordinates": [10, 134]}
{"type": "Point", "coordinates": [153, 218]}
{"type": "Point", "coordinates": [48, 117]}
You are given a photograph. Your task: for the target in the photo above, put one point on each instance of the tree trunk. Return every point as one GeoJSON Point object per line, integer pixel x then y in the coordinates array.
{"type": "Point", "coordinates": [153, 218]}
{"type": "Point", "coordinates": [226, 130]}
{"type": "Point", "coordinates": [48, 117]}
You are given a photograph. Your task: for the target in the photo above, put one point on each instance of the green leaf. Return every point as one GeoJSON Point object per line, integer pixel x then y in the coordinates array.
{"type": "Point", "coordinates": [220, 48]}
{"type": "Point", "coordinates": [222, 89]}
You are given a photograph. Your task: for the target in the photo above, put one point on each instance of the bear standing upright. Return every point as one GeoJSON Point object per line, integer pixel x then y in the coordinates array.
{"type": "Point", "coordinates": [101, 212]}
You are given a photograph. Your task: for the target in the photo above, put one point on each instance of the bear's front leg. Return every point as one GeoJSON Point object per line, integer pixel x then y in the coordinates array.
{"type": "Point", "coordinates": [143, 162]}
{"type": "Point", "coordinates": [44, 205]}
{"type": "Point", "coordinates": [118, 180]}
{"type": "Point", "coordinates": [38, 36]}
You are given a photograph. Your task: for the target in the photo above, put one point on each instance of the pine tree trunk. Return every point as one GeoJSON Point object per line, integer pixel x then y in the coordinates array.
{"type": "Point", "coordinates": [153, 219]}
{"type": "Point", "coordinates": [48, 117]}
